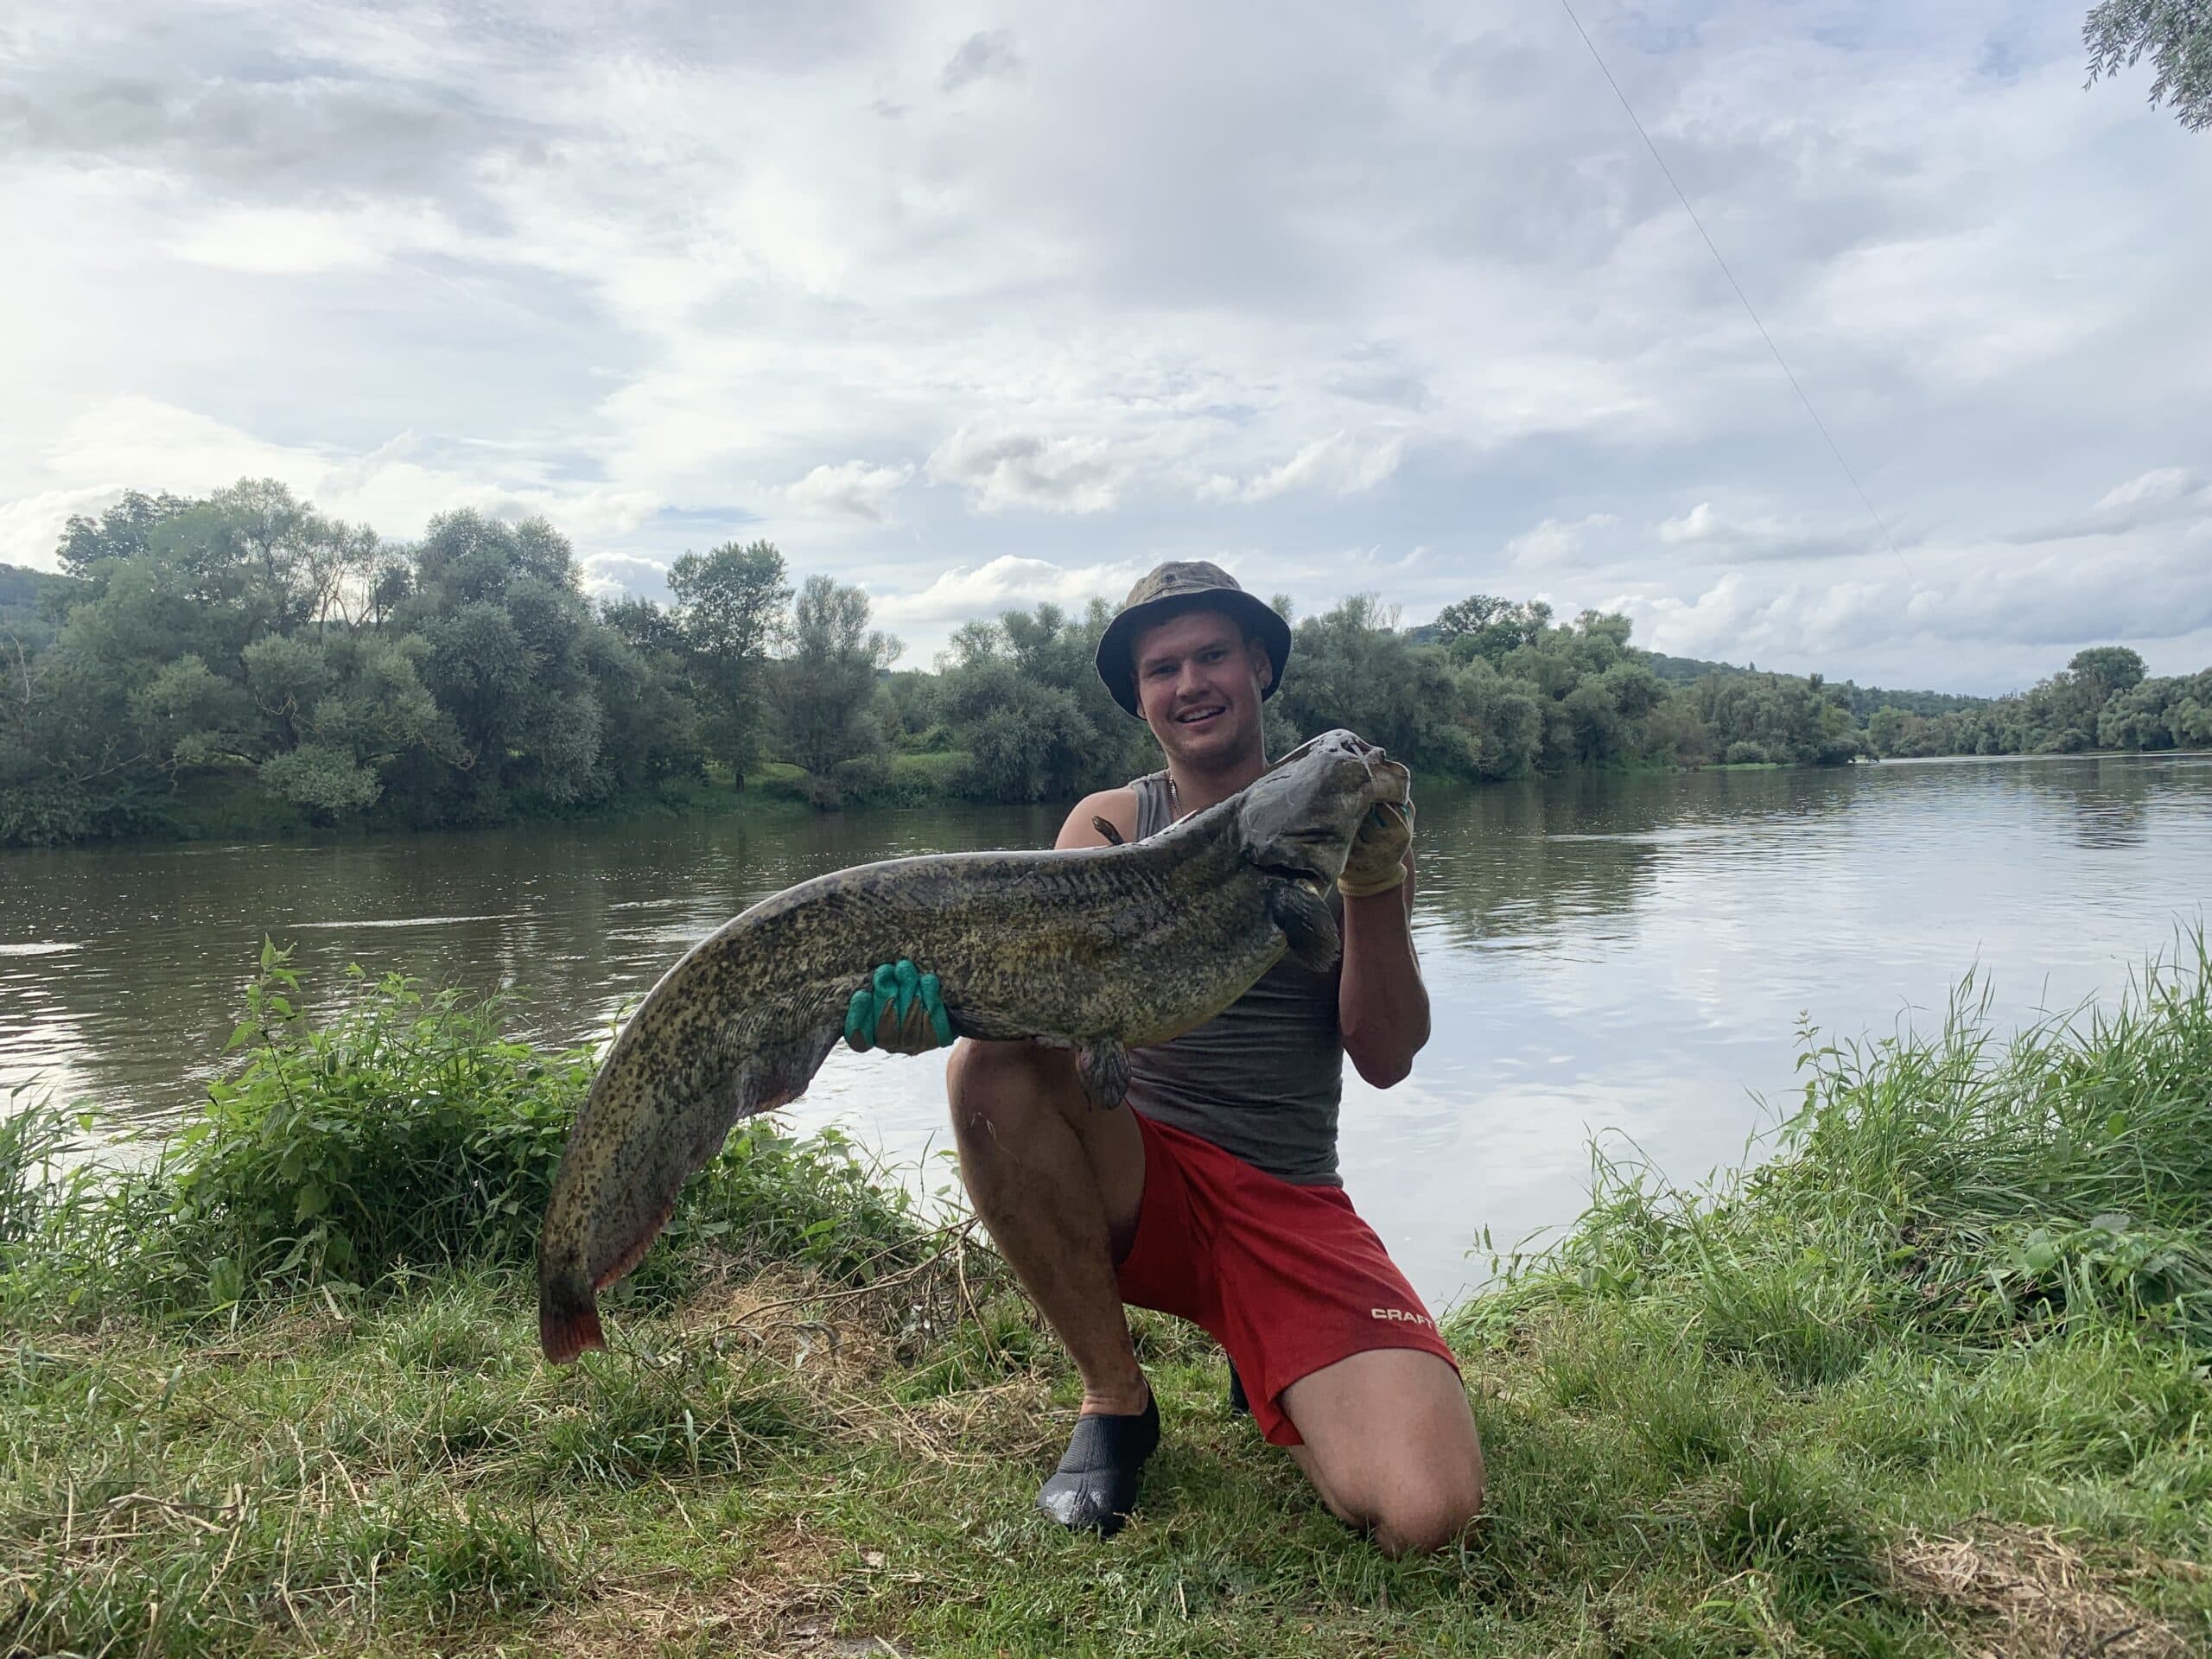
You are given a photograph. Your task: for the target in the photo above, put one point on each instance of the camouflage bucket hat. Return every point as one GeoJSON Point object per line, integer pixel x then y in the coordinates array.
{"type": "Point", "coordinates": [1169, 590]}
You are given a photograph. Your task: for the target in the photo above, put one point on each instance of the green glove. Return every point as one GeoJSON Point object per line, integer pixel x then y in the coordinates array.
{"type": "Point", "coordinates": [900, 1011]}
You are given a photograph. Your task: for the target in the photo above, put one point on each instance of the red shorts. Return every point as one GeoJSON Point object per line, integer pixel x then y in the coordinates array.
{"type": "Point", "coordinates": [1287, 1278]}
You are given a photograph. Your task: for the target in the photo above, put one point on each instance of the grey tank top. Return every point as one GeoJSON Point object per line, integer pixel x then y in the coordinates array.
{"type": "Point", "coordinates": [1262, 1079]}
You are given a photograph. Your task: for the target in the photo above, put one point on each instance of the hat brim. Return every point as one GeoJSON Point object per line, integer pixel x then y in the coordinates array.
{"type": "Point", "coordinates": [1115, 660]}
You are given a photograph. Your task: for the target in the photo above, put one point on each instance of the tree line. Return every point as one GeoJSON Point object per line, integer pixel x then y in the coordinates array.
{"type": "Point", "coordinates": [241, 661]}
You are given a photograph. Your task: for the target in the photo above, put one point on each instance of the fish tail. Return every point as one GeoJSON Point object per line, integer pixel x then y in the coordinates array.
{"type": "Point", "coordinates": [567, 1301]}
{"type": "Point", "coordinates": [568, 1317]}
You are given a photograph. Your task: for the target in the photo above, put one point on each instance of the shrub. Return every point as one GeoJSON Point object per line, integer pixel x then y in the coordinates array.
{"type": "Point", "coordinates": [408, 1134]}
{"type": "Point", "coordinates": [1961, 1190]}
{"type": "Point", "coordinates": [32, 1132]}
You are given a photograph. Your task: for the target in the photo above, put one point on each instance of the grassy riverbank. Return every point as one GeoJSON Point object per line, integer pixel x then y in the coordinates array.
{"type": "Point", "coordinates": [1933, 1380]}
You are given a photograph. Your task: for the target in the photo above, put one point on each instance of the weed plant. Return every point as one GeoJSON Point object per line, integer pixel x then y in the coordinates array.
{"type": "Point", "coordinates": [1945, 1190]}
{"type": "Point", "coordinates": [406, 1136]}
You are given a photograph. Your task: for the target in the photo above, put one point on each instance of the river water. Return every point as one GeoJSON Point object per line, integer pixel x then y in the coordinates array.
{"type": "Point", "coordinates": [1621, 957]}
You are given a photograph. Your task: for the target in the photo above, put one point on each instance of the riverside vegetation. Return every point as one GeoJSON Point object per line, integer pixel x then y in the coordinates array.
{"type": "Point", "coordinates": [241, 663]}
{"type": "Point", "coordinates": [1931, 1378]}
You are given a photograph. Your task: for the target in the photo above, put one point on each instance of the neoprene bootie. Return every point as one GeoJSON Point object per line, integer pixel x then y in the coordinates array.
{"type": "Point", "coordinates": [1096, 1486]}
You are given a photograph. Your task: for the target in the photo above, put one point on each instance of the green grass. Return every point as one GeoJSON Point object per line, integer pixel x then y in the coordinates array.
{"type": "Point", "coordinates": [1932, 1380]}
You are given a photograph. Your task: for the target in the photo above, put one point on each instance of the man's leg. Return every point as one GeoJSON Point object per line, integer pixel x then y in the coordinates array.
{"type": "Point", "coordinates": [1059, 1184]}
{"type": "Point", "coordinates": [1390, 1445]}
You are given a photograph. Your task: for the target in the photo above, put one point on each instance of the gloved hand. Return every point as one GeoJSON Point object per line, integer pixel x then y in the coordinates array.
{"type": "Point", "coordinates": [1377, 861]}
{"type": "Point", "coordinates": [900, 1011]}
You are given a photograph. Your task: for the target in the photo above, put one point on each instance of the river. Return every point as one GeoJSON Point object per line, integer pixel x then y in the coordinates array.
{"type": "Point", "coordinates": [1621, 957]}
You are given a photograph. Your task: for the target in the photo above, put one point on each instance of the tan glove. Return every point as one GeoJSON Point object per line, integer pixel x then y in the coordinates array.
{"type": "Point", "coordinates": [1377, 862]}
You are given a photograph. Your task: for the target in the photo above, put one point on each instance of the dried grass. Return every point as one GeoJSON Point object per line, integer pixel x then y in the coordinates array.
{"type": "Point", "coordinates": [785, 1600]}
{"type": "Point", "coordinates": [2026, 1594]}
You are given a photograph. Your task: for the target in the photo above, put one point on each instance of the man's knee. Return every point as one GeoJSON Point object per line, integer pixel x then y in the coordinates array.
{"type": "Point", "coordinates": [1000, 1088]}
{"type": "Point", "coordinates": [1419, 1517]}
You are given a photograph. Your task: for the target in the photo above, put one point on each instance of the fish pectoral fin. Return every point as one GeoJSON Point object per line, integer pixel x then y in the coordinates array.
{"type": "Point", "coordinates": [1306, 923]}
{"type": "Point", "coordinates": [1103, 1066]}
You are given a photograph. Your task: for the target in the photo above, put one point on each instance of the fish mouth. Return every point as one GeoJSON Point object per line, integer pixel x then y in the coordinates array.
{"type": "Point", "coordinates": [1302, 875]}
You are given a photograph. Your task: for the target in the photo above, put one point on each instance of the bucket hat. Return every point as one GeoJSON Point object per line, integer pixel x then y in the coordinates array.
{"type": "Point", "coordinates": [1169, 590]}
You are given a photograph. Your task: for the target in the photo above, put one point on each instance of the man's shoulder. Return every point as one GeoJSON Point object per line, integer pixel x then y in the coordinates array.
{"type": "Point", "coordinates": [1115, 806]}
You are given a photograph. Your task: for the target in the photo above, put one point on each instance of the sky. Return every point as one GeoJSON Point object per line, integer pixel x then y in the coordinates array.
{"type": "Point", "coordinates": [979, 305]}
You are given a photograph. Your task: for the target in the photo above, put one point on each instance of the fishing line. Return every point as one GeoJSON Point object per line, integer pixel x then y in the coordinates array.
{"type": "Point", "coordinates": [1749, 310]}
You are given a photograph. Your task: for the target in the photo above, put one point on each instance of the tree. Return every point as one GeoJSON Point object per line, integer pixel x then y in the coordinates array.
{"type": "Point", "coordinates": [1019, 695]}
{"type": "Point", "coordinates": [188, 717]}
{"type": "Point", "coordinates": [123, 531]}
{"type": "Point", "coordinates": [2104, 670]}
{"type": "Point", "coordinates": [508, 638]}
{"type": "Point", "coordinates": [729, 613]}
{"type": "Point", "coordinates": [2177, 35]}
{"type": "Point", "coordinates": [825, 687]}
{"type": "Point", "coordinates": [1483, 625]}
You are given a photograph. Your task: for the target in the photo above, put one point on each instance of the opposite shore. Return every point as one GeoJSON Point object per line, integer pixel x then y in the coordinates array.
{"type": "Point", "coordinates": [240, 664]}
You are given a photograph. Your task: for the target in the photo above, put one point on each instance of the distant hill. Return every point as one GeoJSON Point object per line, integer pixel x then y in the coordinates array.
{"type": "Point", "coordinates": [1866, 699]}
{"type": "Point", "coordinates": [1680, 670]}
{"type": "Point", "coordinates": [1863, 699]}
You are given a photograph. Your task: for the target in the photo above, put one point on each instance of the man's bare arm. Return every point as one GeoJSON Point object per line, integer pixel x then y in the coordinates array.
{"type": "Point", "coordinates": [1382, 1005]}
{"type": "Point", "coordinates": [1117, 806]}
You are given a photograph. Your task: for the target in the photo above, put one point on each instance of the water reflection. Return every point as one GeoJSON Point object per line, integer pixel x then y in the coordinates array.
{"type": "Point", "coordinates": [1617, 955]}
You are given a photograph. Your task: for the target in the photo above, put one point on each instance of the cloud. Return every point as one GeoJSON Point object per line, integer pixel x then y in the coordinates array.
{"type": "Point", "coordinates": [1710, 534]}
{"type": "Point", "coordinates": [989, 55]}
{"type": "Point", "coordinates": [1008, 582]}
{"type": "Point", "coordinates": [1168, 278]}
{"type": "Point", "coordinates": [2164, 496]}
{"type": "Point", "coordinates": [1339, 464]}
{"type": "Point", "coordinates": [854, 488]}
{"type": "Point", "coordinates": [395, 487]}
{"type": "Point", "coordinates": [299, 241]}
{"type": "Point", "coordinates": [1915, 628]}
{"type": "Point", "coordinates": [1020, 470]}
{"type": "Point", "coordinates": [604, 576]}
{"type": "Point", "coordinates": [1555, 541]}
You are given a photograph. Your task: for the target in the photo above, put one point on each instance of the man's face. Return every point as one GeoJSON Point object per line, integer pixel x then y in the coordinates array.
{"type": "Point", "coordinates": [1198, 686]}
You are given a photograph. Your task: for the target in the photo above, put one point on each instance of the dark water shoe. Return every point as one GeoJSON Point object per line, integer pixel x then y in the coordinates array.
{"type": "Point", "coordinates": [1096, 1486]}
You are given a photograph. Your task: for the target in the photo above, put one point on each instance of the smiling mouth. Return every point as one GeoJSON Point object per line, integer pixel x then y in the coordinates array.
{"type": "Point", "coordinates": [1192, 716]}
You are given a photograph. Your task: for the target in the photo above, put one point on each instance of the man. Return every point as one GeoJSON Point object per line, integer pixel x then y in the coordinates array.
{"type": "Point", "coordinates": [1213, 1194]}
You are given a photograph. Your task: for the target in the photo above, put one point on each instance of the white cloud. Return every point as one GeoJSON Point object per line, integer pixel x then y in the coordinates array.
{"type": "Point", "coordinates": [1020, 470]}
{"type": "Point", "coordinates": [990, 55]}
{"type": "Point", "coordinates": [854, 488]}
{"type": "Point", "coordinates": [300, 241]}
{"type": "Point", "coordinates": [1957, 602]}
{"type": "Point", "coordinates": [1005, 584]}
{"type": "Point", "coordinates": [143, 444]}
{"type": "Point", "coordinates": [1708, 533]}
{"type": "Point", "coordinates": [2163, 496]}
{"type": "Point", "coordinates": [2162, 487]}
{"type": "Point", "coordinates": [1555, 541]}
{"type": "Point", "coordinates": [1167, 278]}
{"type": "Point", "coordinates": [1339, 464]}
{"type": "Point", "coordinates": [606, 574]}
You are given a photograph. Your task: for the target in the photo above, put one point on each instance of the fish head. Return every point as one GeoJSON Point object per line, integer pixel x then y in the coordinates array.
{"type": "Point", "coordinates": [1297, 819]}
